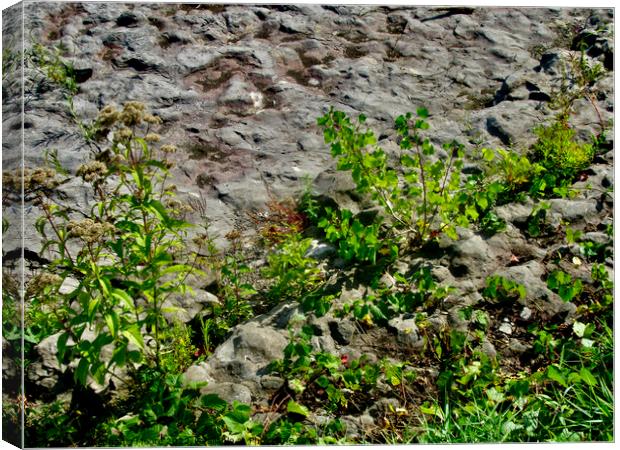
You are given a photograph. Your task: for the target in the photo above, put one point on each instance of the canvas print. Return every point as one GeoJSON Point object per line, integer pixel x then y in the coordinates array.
{"type": "Point", "coordinates": [306, 224]}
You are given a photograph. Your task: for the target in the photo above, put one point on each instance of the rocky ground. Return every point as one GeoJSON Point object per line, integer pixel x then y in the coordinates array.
{"type": "Point", "coordinates": [239, 89]}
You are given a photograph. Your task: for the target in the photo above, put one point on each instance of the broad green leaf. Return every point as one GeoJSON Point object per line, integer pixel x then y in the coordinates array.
{"type": "Point", "coordinates": [488, 154]}
{"type": "Point", "coordinates": [81, 372]}
{"type": "Point", "coordinates": [124, 297]}
{"type": "Point", "coordinates": [112, 320]}
{"type": "Point", "coordinates": [62, 347]}
{"type": "Point", "coordinates": [555, 374]}
{"type": "Point", "coordinates": [133, 335]}
{"type": "Point", "coordinates": [213, 401]}
{"type": "Point", "coordinates": [296, 408]}
{"type": "Point", "coordinates": [587, 376]}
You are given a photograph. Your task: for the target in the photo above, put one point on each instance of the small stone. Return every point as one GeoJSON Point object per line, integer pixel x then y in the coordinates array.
{"type": "Point", "coordinates": [488, 349]}
{"type": "Point", "coordinates": [526, 313]}
{"type": "Point", "coordinates": [505, 328]}
{"type": "Point", "coordinates": [517, 346]}
{"type": "Point", "coordinates": [366, 421]}
{"type": "Point", "coordinates": [407, 332]}
{"type": "Point", "coordinates": [271, 383]}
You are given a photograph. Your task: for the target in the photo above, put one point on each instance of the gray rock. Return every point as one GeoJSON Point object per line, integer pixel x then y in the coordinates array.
{"type": "Point", "coordinates": [183, 307]}
{"type": "Point", "coordinates": [517, 346]}
{"type": "Point", "coordinates": [247, 352]}
{"type": "Point", "coordinates": [539, 299]}
{"type": "Point", "coordinates": [526, 313]}
{"type": "Point", "coordinates": [407, 332]}
{"type": "Point", "coordinates": [229, 392]}
{"type": "Point", "coordinates": [505, 327]}
{"type": "Point", "coordinates": [575, 210]}
{"type": "Point", "coordinates": [488, 348]}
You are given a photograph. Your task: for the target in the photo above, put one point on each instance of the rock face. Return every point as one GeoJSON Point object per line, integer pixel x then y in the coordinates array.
{"type": "Point", "coordinates": [239, 89]}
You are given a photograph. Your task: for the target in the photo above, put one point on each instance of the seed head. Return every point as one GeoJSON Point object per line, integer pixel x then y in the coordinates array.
{"type": "Point", "coordinates": [152, 137]}
{"type": "Point", "coordinates": [92, 171]}
{"type": "Point", "coordinates": [40, 281]}
{"type": "Point", "coordinates": [88, 230]}
{"type": "Point", "coordinates": [168, 148]}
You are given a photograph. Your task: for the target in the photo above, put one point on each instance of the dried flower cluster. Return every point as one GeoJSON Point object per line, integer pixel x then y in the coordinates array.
{"type": "Point", "coordinates": [108, 116]}
{"type": "Point", "coordinates": [168, 148]}
{"type": "Point", "coordinates": [88, 230]}
{"type": "Point", "coordinates": [152, 137]}
{"type": "Point", "coordinates": [132, 114]}
{"type": "Point", "coordinates": [40, 281]}
{"type": "Point", "coordinates": [123, 134]}
{"type": "Point", "coordinates": [92, 171]}
{"type": "Point", "coordinates": [177, 207]}
{"type": "Point", "coordinates": [40, 177]}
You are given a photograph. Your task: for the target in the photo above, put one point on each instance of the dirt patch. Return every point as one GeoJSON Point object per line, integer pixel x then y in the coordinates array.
{"type": "Point", "coordinates": [355, 52]}
{"type": "Point", "coordinates": [57, 22]}
{"type": "Point", "coordinates": [354, 36]}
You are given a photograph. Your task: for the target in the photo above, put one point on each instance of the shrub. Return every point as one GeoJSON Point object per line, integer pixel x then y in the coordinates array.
{"type": "Point", "coordinates": [421, 202]}
{"type": "Point", "coordinates": [130, 252]}
{"type": "Point", "coordinates": [559, 153]}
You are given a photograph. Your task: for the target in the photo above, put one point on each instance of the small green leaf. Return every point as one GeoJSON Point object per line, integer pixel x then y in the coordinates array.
{"type": "Point", "coordinates": [213, 401]}
{"type": "Point", "coordinates": [488, 154]}
{"type": "Point", "coordinates": [133, 335]}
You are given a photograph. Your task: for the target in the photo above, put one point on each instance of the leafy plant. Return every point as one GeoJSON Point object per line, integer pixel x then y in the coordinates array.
{"type": "Point", "coordinates": [130, 253]}
{"type": "Point", "coordinates": [559, 153]}
{"type": "Point", "coordinates": [181, 352]}
{"type": "Point", "coordinates": [562, 283]}
{"type": "Point", "coordinates": [355, 239]}
{"type": "Point", "coordinates": [58, 72]}
{"type": "Point", "coordinates": [578, 81]}
{"type": "Point", "coordinates": [293, 273]}
{"type": "Point", "coordinates": [536, 224]}
{"type": "Point", "coordinates": [422, 202]}
{"type": "Point", "coordinates": [415, 293]}
{"type": "Point", "coordinates": [501, 289]}
{"type": "Point", "coordinates": [235, 291]}
{"type": "Point", "coordinates": [342, 383]}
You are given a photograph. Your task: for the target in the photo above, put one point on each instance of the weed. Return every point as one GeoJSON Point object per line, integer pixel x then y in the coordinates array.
{"type": "Point", "coordinates": [536, 224]}
{"type": "Point", "coordinates": [559, 153]}
{"type": "Point", "coordinates": [126, 262]}
{"type": "Point", "coordinates": [293, 273]}
{"type": "Point", "coordinates": [564, 285]}
{"type": "Point", "coordinates": [501, 289]}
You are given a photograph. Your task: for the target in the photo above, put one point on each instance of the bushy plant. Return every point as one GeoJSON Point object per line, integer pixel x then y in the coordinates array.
{"type": "Point", "coordinates": [342, 384]}
{"type": "Point", "coordinates": [127, 257]}
{"type": "Point", "coordinates": [415, 293]}
{"type": "Point", "coordinates": [559, 152]}
{"type": "Point", "coordinates": [355, 239]}
{"type": "Point", "coordinates": [292, 272]}
{"type": "Point", "coordinates": [234, 293]}
{"type": "Point", "coordinates": [421, 202]}
{"type": "Point", "coordinates": [501, 289]}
